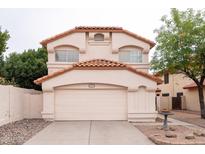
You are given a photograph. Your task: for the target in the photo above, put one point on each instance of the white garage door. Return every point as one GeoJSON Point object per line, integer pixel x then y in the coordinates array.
{"type": "Point", "coordinates": [90, 105]}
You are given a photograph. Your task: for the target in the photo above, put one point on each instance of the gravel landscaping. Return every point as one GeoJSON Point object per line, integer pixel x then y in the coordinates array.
{"type": "Point", "coordinates": [19, 132]}
{"type": "Point", "coordinates": [175, 135]}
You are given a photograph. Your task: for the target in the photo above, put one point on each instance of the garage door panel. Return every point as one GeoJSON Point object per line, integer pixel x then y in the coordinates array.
{"type": "Point", "coordinates": [90, 105]}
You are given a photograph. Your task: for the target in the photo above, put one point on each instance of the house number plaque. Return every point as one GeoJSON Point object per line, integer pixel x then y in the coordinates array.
{"type": "Point", "coordinates": [91, 85]}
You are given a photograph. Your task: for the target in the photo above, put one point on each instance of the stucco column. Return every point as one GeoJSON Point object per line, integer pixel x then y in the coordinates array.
{"type": "Point", "coordinates": [131, 102]}
{"type": "Point", "coordinates": [48, 105]}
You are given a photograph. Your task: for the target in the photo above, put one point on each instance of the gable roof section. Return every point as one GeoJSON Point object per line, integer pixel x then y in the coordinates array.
{"type": "Point", "coordinates": [97, 64]}
{"type": "Point", "coordinates": [192, 85]}
{"type": "Point", "coordinates": [96, 29]}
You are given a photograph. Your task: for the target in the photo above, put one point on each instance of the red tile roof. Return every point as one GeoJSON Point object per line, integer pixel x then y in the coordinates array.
{"type": "Point", "coordinates": [98, 64]}
{"type": "Point", "coordinates": [192, 85]}
{"type": "Point", "coordinates": [96, 29]}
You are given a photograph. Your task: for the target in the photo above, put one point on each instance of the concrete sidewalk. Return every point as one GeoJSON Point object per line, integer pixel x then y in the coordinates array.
{"type": "Point", "coordinates": [189, 117]}
{"type": "Point", "coordinates": [90, 132]}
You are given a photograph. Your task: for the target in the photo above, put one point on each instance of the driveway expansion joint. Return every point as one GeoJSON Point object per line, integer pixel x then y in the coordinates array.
{"type": "Point", "coordinates": [89, 132]}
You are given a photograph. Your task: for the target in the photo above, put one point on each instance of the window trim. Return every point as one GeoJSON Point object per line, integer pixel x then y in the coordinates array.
{"type": "Point", "coordinates": [137, 53]}
{"type": "Point", "coordinates": [67, 50]}
{"type": "Point", "coordinates": [102, 36]}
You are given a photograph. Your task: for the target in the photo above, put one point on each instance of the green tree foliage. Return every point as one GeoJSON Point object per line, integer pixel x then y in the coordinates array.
{"type": "Point", "coordinates": [4, 37]}
{"type": "Point", "coordinates": [24, 68]}
{"type": "Point", "coordinates": [181, 47]}
{"type": "Point", "coordinates": [6, 82]}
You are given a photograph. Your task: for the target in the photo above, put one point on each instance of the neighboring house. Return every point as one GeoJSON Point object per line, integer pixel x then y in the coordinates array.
{"type": "Point", "coordinates": [98, 73]}
{"type": "Point", "coordinates": [192, 97]}
{"type": "Point", "coordinates": [180, 91]}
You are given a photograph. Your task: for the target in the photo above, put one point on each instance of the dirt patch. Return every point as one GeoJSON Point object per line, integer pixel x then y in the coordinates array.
{"type": "Point", "coordinates": [158, 135]}
{"type": "Point", "coordinates": [20, 131]}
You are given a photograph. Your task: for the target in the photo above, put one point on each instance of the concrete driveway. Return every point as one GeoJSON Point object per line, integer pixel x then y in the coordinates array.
{"type": "Point", "coordinates": [90, 132]}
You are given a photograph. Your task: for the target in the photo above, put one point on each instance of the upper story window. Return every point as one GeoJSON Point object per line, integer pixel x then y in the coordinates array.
{"type": "Point", "coordinates": [99, 37]}
{"type": "Point", "coordinates": [130, 55]}
{"type": "Point", "coordinates": [166, 78]}
{"type": "Point", "coordinates": [67, 55]}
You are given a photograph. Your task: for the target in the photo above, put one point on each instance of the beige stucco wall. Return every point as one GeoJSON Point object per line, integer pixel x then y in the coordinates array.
{"type": "Point", "coordinates": [90, 49]}
{"type": "Point", "coordinates": [165, 103]}
{"type": "Point", "coordinates": [33, 105]}
{"type": "Point", "coordinates": [180, 81]}
{"type": "Point", "coordinates": [140, 90]}
{"type": "Point", "coordinates": [167, 88]}
{"type": "Point", "coordinates": [4, 104]}
{"type": "Point", "coordinates": [192, 99]}
{"type": "Point", "coordinates": [175, 85]}
{"type": "Point", "coordinates": [116, 77]}
{"type": "Point", "coordinates": [13, 104]}
{"type": "Point", "coordinates": [141, 105]}
{"type": "Point", "coordinates": [86, 86]}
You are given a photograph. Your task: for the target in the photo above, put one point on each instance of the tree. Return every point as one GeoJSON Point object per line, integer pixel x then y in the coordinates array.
{"type": "Point", "coordinates": [6, 82]}
{"type": "Point", "coordinates": [24, 68]}
{"type": "Point", "coordinates": [4, 37]}
{"type": "Point", "coordinates": [181, 47]}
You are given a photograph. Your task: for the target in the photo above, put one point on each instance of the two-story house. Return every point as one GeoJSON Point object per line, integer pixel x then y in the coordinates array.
{"type": "Point", "coordinates": [98, 73]}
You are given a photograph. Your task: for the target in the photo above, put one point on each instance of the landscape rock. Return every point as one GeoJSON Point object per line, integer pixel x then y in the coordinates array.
{"type": "Point", "coordinates": [198, 133]}
{"type": "Point", "coordinates": [181, 131]}
{"type": "Point", "coordinates": [170, 135]}
{"type": "Point", "coordinates": [160, 127]}
{"type": "Point", "coordinates": [166, 129]}
{"type": "Point", "coordinates": [156, 135]}
{"type": "Point", "coordinates": [171, 128]}
{"type": "Point", "coordinates": [190, 137]}
{"type": "Point", "coordinates": [203, 134]}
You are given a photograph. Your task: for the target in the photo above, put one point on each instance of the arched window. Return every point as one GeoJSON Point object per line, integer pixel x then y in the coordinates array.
{"type": "Point", "coordinates": [130, 55]}
{"type": "Point", "coordinates": [66, 54]}
{"type": "Point", "coordinates": [99, 37]}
